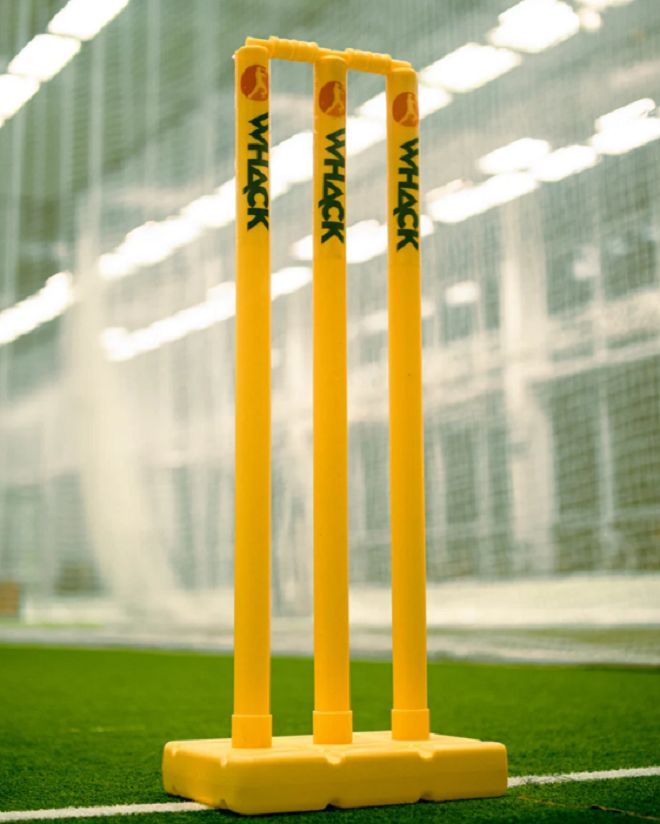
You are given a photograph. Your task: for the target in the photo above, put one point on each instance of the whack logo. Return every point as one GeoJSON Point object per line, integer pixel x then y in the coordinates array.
{"type": "Point", "coordinates": [256, 189]}
{"type": "Point", "coordinates": [406, 211]}
{"type": "Point", "coordinates": [332, 98]}
{"type": "Point", "coordinates": [405, 109]}
{"type": "Point", "coordinates": [334, 179]}
{"type": "Point", "coordinates": [254, 82]}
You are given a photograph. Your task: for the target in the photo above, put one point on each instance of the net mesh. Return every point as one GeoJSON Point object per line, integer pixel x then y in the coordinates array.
{"type": "Point", "coordinates": [540, 297]}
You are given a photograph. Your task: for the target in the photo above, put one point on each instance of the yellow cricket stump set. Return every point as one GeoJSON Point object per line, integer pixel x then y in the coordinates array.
{"type": "Point", "coordinates": [252, 772]}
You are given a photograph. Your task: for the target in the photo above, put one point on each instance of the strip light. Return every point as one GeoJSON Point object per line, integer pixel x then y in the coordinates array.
{"type": "Point", "coordinates": [14, 93]}
{"type": "Point", "coordinates": [291, 161]}
{"type": "Point", "coordinates": [362, 133]}
{"type": "Point", "coordinates": [636, 110]}
{"type": "Point", "coordinates": [289, 280]}
{"type": "Point", "coordinates": [148, 244]}
{"type": "Point", "coordinates": [569, 160]}
{"type": "Point", "coordinates": [49, 302]}
{"type": "Point", "coordinates": [626, 128]}
{"type": "Point", "coordinates": [44, 56]}
{"type": "Point", "coordinates": [365, 240]}
{"type": "Point", "coordinates": [618, 132]}
{"type": "Point", "coordinates": [462, 70]}
{"type": "Point", "coordinates": [460, 200]}
{"type": "Point", "coordinates": [121, 345]}
{"type": "Point", "coordinates": [514, 157]}
{"type": "Point", "coordinates": [462, 293]}
{"type": "Point", "coordinates": [627, 136]}
{"type": "Point", "coordinates": [214, 210]}
{"type": "Point", "coordinates": [47, 54]}
{"type": "Point", "coordinates": [84, 19]}
{"type": "Point", "coordinates": [376, 322]}
{"type": "Point", "coordinates": [470, 67]}
{"type": "Point", "coordinates": [535, 25]}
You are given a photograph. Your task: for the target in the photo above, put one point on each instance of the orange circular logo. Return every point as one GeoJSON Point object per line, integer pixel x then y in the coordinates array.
{"type": "Point", "coordinates": [332, 98]}
{"type": "Point", "coordinates": [254, 82]}
{"type": "Point", "coordinates": [404, 109]}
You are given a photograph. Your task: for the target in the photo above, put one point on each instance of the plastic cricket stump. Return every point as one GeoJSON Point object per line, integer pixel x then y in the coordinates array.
{"type": "Point", "coordinates": [252, 772]}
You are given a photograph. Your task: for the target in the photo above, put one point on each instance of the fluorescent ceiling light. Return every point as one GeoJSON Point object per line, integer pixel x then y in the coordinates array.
{"type": "Point", "coordinates": [454, 202]}
{"type": "Point", "coordinates": [426, 226]}
{"type": "Point", "coordinates": [534, 25]}
{"type": "Point", "coordinates": [49, 302]}
{"type": "Point", "coordinates": [84, 19]}
{"type": "Point", "coordinates": [362, 133]}
{"type": "Point", "coordinates": [626, 128]}
{"type": "Point", "coordinates": [462, 293]}
{"type": "Point", "coordinates": [113, 266]}
{"type": "Point", "coordinates": [432, 99]}
{"type": "Point", "coordinates": [291, 161]}
{"type": "Point", "coordinates": [590, 19]}
{"type": "Point", "coordinates": [225, 294]}
{"type": "Point", "coordinates": [289, 280]}
{"type": "Point", "coordinates": [215, 210]}
{"type": "Point", "coordinates": [377, 322]}
{"type": "Point", "coordinates": [115, 342]}
{"type": "Point", "coordinates": [514, 157]}
{"type": "Point", "coordinates": [153, 242]}
{"type": "Point", "coordinates": [469, 67]}
{"type": "Point", "coordinates": [627, 136]}
{"type": "Point", "coordinates": [180, 231]}
{"type": "Point", "coordinates": [303, 249]}
{"type": "Point", "coordinates": [460, 200]}
{"type": "Point", "coordinates": [56, 295]}
{"type": "Point", "coordinates": [44, 56]}
{"type": "Point", "coordinates": [15, 92]}
{"type": "Point", "coordinates": [120, 345]}
{"type": "Point", "coordinates": [145, 245]}
{"type": "Point", "coordinates": [365, 240]}
{"type": "Point", "coordinates": [633, 111]}
{"type": "Point", "coordinates": [374, 108]}
{"type": "Point", "coordinates": [504, 188]}
{"type": "Point", "coordinates": [562, 163]}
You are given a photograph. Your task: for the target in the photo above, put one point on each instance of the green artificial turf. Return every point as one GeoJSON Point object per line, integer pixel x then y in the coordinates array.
{"type": "Point", "coordinates": [86, 727]}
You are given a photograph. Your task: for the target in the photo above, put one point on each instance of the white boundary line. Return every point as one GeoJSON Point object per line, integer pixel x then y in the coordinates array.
{"type": "Point", "coordinates": [602, 775]}
{"type": "Point", "coordinates": [94, 812]}
{"type": "Point", "coordinates": [191, 806]}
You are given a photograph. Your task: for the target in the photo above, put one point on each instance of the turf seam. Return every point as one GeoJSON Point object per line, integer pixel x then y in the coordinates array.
{"type": "Point", "coordinates": [545, 802]}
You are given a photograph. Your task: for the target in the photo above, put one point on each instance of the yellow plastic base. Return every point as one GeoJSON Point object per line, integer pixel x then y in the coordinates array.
{"type": "Point", "coordinates": [295, 774]}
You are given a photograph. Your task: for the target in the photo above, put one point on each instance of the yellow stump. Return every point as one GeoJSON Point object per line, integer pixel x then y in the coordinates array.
{"type": "Point", "coordinates": [251, 722]}
{"type": "Point", "coordinates": [410, 715]}
{"type": "Point", "coordinates": [332, 714]}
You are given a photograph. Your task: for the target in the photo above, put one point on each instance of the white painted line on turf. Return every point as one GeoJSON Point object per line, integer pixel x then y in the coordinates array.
{"type": "Point", "coordinates": [94, 812]}
{"type": "Point", "coordinates": [191, 806]}
{"type": "Point", "coordinates": [602, 775]}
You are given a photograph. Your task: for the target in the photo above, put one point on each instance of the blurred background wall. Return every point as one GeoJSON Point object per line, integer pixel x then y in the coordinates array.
{"type": "Point", "coordinates": [541, 254]}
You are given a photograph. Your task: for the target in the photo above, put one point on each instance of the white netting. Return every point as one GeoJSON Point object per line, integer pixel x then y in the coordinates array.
{"type": "Point", "coordinates": [541, 303]}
